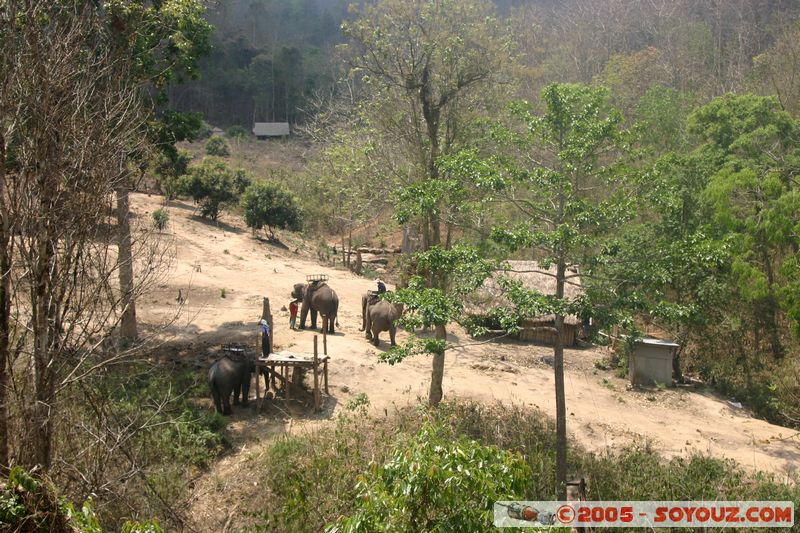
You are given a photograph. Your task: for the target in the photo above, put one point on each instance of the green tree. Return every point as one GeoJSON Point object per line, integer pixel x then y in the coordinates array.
{"type": "Point", "coordinates": [211, 185]}
{"type": "Point", "coordinates": [434, 483]}
{"type": "Point", "coordinates": [268, 204]}
{"type": "Point", "coordinates": [434, 62]}
{"type": "Point", "coordinates": [568, 184]}
{"type": "Point", "coordinates": [163, 41]}
{"type": "Point", "coordinates": [458, 271]}
{"type": "Point", "coordinates": [170, 168]}
{"type": "Point", "coordinates": [218, 147]}
{"type": "Point", "coordinates": [427, 69]}
{"type": "Point", "coordinates": [752, 146]}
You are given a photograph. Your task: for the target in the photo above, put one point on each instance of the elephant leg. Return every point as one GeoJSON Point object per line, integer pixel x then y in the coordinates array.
{"type": "Point", "coordinates": [226, 402]}
{"type": "Point", "coordinates": [368, 327]}
{"type": "Point", "coordinates": [303, 315]}
{"type": "Point", "coordinates": [375, 340]}
{"type": "Point", "coordinates": [217, 399]}
{"type": "Point", "coordinates": [237, 389]}
{"type": "Point", "coordinates": [392, 332]}
{"type": "Point", "coordinates": [313, 319]}
{"type": "Point", "coordinates": [246, 389]}
{"type": "Point", "coordinates": [331, 323]}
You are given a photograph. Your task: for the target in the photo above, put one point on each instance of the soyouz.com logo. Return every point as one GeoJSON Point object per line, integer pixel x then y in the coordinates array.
{"type": "Point", "coordinates": [644, 514]}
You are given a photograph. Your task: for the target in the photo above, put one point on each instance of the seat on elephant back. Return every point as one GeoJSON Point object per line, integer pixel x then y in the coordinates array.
{"type": "Point", "coordinates": [374, 297]}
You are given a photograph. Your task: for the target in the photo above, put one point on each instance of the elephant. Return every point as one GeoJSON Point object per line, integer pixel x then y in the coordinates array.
{"type": "Point", "coordinates": [379, 315]}
{"type": "Point", "coordinates": [231, 375]}
{"type": "Point", "coordinates": [317, 297]}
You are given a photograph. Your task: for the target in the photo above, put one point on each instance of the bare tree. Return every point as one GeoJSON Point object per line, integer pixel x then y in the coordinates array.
{"type": "Point", "coordinates": [71, 119]}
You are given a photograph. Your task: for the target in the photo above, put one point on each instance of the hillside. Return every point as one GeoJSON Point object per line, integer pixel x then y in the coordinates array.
{"type": "Point", "coordinates": [603, 414]}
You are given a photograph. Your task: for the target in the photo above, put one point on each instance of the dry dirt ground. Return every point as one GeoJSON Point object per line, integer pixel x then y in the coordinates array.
{"type": "Point", "coordinates": [603, 414]}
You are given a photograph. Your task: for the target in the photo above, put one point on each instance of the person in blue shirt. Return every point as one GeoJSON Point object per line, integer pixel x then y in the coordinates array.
{"type": "Point", "coordinates": [266, 347]}
{"type": "Point", "coordinates": [381, 286]}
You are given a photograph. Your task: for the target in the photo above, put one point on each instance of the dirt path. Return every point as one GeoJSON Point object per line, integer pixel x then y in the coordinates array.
{"type": "Point", "coordinates": [602, 413]}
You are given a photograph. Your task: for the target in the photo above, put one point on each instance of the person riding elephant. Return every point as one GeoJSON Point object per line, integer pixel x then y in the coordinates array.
{"type": "Point", "coordinates": [230, 375]}
{"type": "Point", "coordinates": [317, 297]}
{"type": "Point", "coordinates": [379, 315]}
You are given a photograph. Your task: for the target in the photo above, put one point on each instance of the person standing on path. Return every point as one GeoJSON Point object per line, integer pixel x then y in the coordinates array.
{"type": "Point", "coordinates": [266, 347]}
{"type": "Point", "coordinates": [292, 314]}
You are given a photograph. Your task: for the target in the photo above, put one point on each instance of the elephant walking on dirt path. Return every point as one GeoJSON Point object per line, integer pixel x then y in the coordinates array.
{"type": "Point", "coordinates": [318, 298]}
{"type": "Point", "coordinates": [378, 315]}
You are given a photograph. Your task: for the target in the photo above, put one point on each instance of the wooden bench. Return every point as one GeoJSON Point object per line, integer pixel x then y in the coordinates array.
{"type": "Point", "coordinates": [280, 363]}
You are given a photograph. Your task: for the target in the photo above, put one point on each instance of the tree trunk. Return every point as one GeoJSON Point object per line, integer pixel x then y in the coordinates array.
{"type": "Point", "coordinates": [561, 403]}
{"type": "Point", "coordinates": [5, 307]}
{"type": "Point", "coordinates": [127, 328]}
{"type": "Point", "coordinates": [437, 371]}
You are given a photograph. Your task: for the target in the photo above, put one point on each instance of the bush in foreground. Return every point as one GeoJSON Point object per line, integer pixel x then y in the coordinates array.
{"type": "Point", "coordinates": [374, 474]}
{"type": "Point", "coordinates": [29, 503]}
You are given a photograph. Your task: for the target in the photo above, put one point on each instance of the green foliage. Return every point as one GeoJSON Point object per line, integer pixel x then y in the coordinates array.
{"type": "Point", "coordinates": [236, 132]}
{"type": "Point", "coordinates": [170, 166]}
{"type": "Point", "coordinates": [460, 271]}
{"type": "Point", "coordinates": [160, 218]}
{"type": "Point", "coordinates": [433, 483]}
{"type": "Point", "coordinates": [751, 144]}
{"type": "Point", "coordinates": [163, 431]}
{"type": "Point", "coordinates": [217, 146]}
{"type": "Point", "coordinates": [141, 527]}
{"type": "Point", "coordinates": [211, 184]}
{"type": "Point", "coordinates": [29, 503]}
{"type": "Point", "coordinates": [316, 479]}
{"type": "Point", "coordinates": [661, 119]}
{"type": "Point", "coordinates": [268, 204]}
{"type": "Point", "coordinates": [241, 181]}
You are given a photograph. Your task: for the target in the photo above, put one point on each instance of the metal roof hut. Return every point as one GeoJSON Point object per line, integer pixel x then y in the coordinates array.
{"type": "Point", "coordinates": [265, 130]}
{"type": "Point", "coordinates": [533, 277]}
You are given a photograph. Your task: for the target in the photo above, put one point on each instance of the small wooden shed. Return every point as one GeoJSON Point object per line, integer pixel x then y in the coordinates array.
{"type": "Point", "coordinates": [266, 130]}
{"type": "Point", "coordinates": [481, 303]}
{"type": "Point", "coordinates": [651, 362]}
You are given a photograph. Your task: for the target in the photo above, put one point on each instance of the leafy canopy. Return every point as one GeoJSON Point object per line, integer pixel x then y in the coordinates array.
{"type": "Point", "coordinates": [268, 204]}
{"type": "Point", "coordinates": [217, 146]}
{"type": "Point", "coordinates": [210, 184]}
{"type": "Point", "coordinates": [435, 483]}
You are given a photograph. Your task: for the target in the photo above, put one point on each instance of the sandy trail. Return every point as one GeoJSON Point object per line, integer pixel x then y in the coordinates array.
{"type": "Point", "coordinates": [603, 415]}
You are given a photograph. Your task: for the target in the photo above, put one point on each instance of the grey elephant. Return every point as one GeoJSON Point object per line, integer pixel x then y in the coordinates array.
{"type": "Point", "coordinates": [317, 297]}
{"type": "Point", "coordinates": [379, 315]}
{"type": "Point", "coordinates": [231, 375]}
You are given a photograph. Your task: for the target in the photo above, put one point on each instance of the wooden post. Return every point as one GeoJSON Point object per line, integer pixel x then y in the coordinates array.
{"type": "Point", "coordinates": [286, 381]}
{"type": "Point", "coordinates": [325, 374]}
{"type": "Point", "coordinates": [316, 377]}
{"type": "Point", "coordinates": [324, 337]}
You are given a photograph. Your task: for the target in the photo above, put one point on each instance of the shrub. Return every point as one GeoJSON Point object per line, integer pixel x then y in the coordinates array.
{"type": "Point", "coordinates": [383, 469]}
{"type": "Point", "coordinates": [268, 204]}
{"type": "Point", "coordinates": [432, 482]}
{"type": "Point", "coordinates": [160, 218]}
{"type": "Point", "coordinates": [241, 181]}
{"type": "Point", "coordinates": [204, 131]}
{"type": "Point", "coordinates": [236, 132]}
{"type": "Point", "coordinates": [169, 169]}
{"type": "Point", "coordinates": [30, 503]}
{"type": "Point", "coordinates": [211, 185]}
{"type": "Point", "coordinates": [217, 146]}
